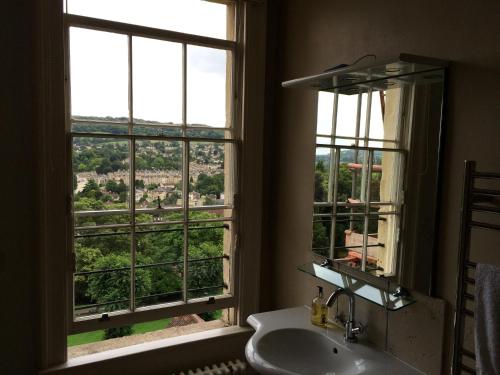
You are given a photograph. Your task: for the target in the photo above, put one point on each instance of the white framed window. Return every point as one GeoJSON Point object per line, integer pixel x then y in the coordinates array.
{"type": "Point", "coordinates": [155, 138]}
{"type": "Point", "coordinates": [361, 146]}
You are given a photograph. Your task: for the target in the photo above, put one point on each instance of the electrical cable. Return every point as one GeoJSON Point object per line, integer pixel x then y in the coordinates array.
{"type": "Point", "coordinates": [339, 66]}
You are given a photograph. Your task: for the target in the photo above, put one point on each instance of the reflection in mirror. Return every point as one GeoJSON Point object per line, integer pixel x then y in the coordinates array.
{"type": "Point", "coordinates": [355, 183]}
{"type": "Point", "coordinates": [371, 144]}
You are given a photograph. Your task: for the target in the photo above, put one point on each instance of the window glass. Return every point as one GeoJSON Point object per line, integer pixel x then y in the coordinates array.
{"type": "Point", "coordinates": [102, 276]}
{"type": "Point", "coordinates": [205, 263]}
{"type": "Point", "coordinates": [207, 85]}
{"type": "Point", "coordinates": [325, 113]}
{"type": "Point", "coordinates": [188, 16]}
{"type": "Point", "coordinates": [157, 81]}
{"type": "Point", "coordinates": [159, 264]}
{"type": "Point", "coordinates": [158, 174]}
{"type": "Point", "coordinates": [101, 174]}
{"type": "Point", "coordinates": [99, 74]}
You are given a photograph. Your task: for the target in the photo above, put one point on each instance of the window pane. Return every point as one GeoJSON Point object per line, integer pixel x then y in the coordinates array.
{"type": "Point", "coordinates": [377, 119]}
{"type": "Point", "coordinates": [324, 141]}
{"type": "Point", "coordinates": [381, 127]}
{"type": "Point", "coordinates": [325, 112]}
{"type": "Point", "coordinates": [209, 183]}
{"type": "Point", "coordinates": [99, 74]}
{"type": "Point", "coordinates": [101, 174]}
{"type": "Point", "coordinates": [157, 76]}
{"type": "Point", "coordinates": [381, 244]}
{"type": "Point", "coordinates": [322, 174]}
{"type": "Point", "coordinates": [207, 87]}
{"type": "Point", "coordinates": [346, 115]}
{"type": "Point", "coordinates": [159, 265]}
{"type": "Point", "coordinates": [206, 262]}
{"type": "Point", "coordinates": [321, 231]}
{"type": "Point", "coordinates": [188, 16]}
{"type": "Point", "coordinates": [350, 179]}
{"type": "Point", "coordinates": [102, 277]}
{"type": "Point", "coordinates": [93, 251]}
{"type": "Point", "coordinates": [158, 174]}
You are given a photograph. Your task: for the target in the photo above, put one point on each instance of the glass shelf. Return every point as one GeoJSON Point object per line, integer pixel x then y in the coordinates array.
{"type": "Point", "coordinates": [375, 75]}
{"type": "Point", "coordinates": [358, 287]}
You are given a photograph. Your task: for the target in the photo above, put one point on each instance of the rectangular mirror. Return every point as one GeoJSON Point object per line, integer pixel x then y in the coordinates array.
{"type": "Point", "coordinates": [378, 140]}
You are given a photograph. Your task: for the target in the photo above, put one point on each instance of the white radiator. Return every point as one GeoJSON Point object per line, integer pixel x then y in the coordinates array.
{"type": "Point", "coordinates": [231, 367]}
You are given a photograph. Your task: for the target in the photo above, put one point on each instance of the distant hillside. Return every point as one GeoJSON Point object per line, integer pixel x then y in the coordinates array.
{"type": "Point", "coordinates": [142, 127]}
{"type": "Point", "coordinates": [347, 156]}
{"type": "Point", "coordinates": [105, 155]}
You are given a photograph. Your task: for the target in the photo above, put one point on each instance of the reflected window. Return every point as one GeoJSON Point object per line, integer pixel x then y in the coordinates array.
{"type": "Point", "coordinates": [358, 178]}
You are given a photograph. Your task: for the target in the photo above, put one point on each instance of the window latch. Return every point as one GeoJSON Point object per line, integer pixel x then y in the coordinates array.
{"type": "Point", "coordinates": [104, 318]}
{"type": "Point", "coordinates": [211, 300]}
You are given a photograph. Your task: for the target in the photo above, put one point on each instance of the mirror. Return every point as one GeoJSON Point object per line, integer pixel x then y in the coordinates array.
{"type": "Point", "coordinates": [378, 140]}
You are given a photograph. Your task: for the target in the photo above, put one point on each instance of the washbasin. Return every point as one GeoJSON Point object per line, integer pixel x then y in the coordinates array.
{"type": "Point", "coordinates": [303, 351]}
{"type": "Point", "coordinates": [285, 342]}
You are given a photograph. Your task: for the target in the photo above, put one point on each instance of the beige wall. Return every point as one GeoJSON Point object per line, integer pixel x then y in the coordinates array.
{"type": "Point", "coordinates": [315, 35]}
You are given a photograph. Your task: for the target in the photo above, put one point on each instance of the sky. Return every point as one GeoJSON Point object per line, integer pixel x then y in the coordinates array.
{"type": "Point", "coordinates": [346, 117]}
{"type": "Point", "coordinates": [99, 62]}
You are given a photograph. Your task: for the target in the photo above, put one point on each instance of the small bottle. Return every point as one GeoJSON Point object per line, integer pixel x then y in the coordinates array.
{"type": "Point", "coordinates": [319, 309]}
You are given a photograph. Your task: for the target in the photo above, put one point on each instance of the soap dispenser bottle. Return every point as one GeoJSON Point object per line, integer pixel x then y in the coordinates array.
{"type": "Point", "coordinates": [319, 309]}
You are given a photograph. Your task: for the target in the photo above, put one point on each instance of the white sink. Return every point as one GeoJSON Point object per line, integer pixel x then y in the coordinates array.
{"type": "Point", "coordinates": [285, 342]}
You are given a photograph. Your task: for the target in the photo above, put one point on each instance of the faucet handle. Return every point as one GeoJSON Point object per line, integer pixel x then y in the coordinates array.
{"type": "Point", "coordinates": [359, 329]}
{"type": "Point", "coordinates": [353, 331]}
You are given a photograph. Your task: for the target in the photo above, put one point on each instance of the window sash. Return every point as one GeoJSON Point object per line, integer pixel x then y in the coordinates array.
{"type": "Point", "coordinates": [134, 315]}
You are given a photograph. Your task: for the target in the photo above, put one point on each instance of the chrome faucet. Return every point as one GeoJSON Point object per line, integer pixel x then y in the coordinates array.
{"type": "Point", "coordinates": [350, 330]}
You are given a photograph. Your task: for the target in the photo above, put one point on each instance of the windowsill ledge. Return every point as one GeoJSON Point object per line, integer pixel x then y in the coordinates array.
{"type": "Point", "coordinates": [147, 347]}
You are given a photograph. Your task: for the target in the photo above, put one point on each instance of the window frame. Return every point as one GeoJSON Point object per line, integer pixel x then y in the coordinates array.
{"type": "Point", "coordinates": [400, 148]}
{"type": "Point", "coordinates": [229, 299]}
{"type": "Point", "coordinates": [53, 207]}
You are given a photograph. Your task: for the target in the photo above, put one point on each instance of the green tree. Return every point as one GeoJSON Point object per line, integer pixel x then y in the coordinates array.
{"type": "Point", "coordinates": [104, 167]}
{"type": "Point", "coordinates": [112, 186]}
{"type": "Point", "coordinates": [321, 238]}
{"type": "Point", "coordinates": [171, 198]}
{"type": "Point", "coordinates": [152, 186]}
{"type": "Point", "coordinates": [91, 190]}
{"type": "Point", "coordinates": [122, 197]}
{"type": "Point", "coordinates": [87, 204]}
{"type": "Point", "coordinates": [210, 184]}
{"type": "Point", "coordinates": [121, 187]}
{"type": "Point", "coordinates": [113, 287]}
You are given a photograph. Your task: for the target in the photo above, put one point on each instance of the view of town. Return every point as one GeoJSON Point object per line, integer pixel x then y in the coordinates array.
{"type": "Point", "coordinates": [103, 222]}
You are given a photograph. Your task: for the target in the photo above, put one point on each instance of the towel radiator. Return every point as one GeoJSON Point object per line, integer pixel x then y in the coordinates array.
{"type": "Point", "coordinates": [474, 200]}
